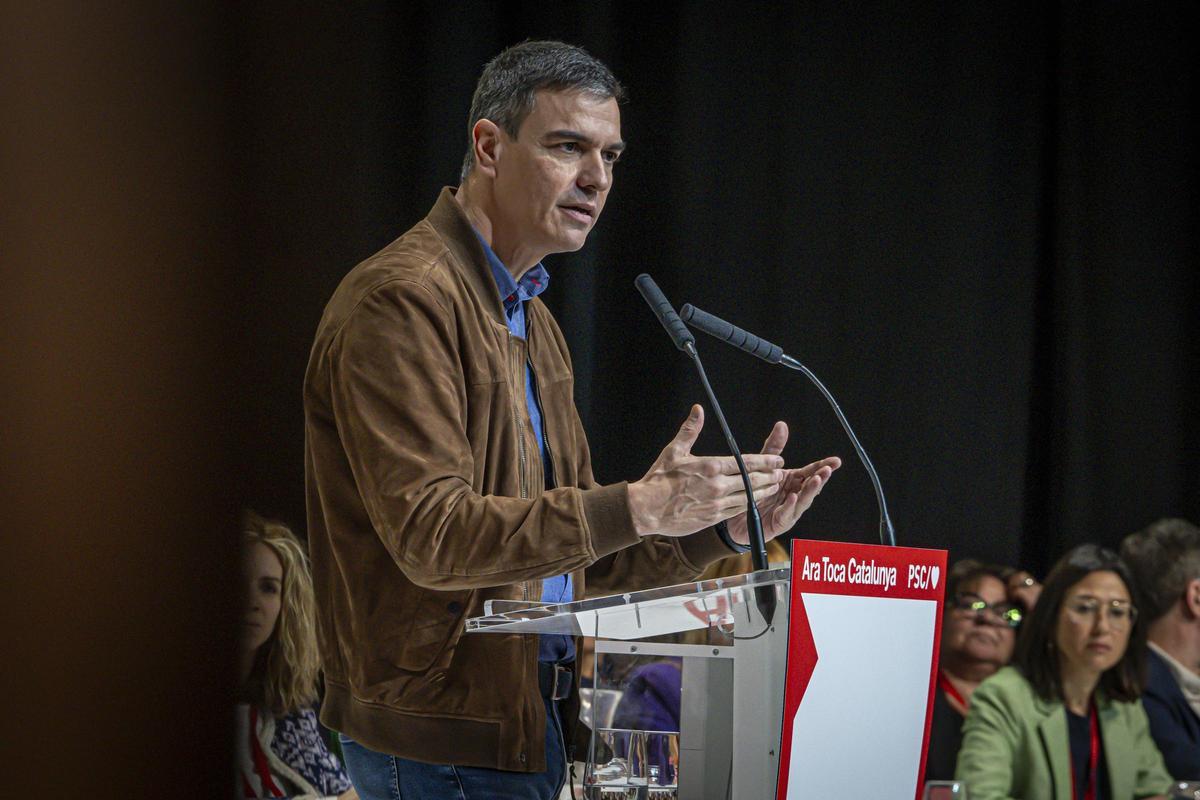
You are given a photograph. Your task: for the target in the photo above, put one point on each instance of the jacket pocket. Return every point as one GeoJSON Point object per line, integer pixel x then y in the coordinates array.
{"type": "Point", "coordinates": [436, 623]}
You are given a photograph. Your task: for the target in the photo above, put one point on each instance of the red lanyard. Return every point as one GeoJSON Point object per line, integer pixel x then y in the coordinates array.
{"type": "Point", "coordinates": [1089, 791]}
{"type": "Point", "coordinates": [261, 765]}
{"type": "Point", "coordinates": [946, 686]}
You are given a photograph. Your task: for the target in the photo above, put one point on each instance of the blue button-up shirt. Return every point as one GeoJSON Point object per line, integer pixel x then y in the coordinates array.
{"type": "Point", "coordinates": [514, 293]}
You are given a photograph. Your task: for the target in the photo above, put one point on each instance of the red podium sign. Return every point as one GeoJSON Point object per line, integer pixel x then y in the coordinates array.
{"type": "Point", "coordinates": [863, 640]}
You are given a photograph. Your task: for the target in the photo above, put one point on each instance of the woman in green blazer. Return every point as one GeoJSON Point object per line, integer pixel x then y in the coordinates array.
{"type": "Point", "coordinates": [1064, 723]}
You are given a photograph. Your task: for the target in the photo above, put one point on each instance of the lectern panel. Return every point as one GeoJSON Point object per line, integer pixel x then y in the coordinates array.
{"type": "Point", "coordinates": [634, 615]}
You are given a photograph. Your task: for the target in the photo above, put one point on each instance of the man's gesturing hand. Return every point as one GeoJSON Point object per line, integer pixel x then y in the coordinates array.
{"type": "Point", "coordinates": [683, 493]}
{"type": "Point", "coordinates": [798, 489]}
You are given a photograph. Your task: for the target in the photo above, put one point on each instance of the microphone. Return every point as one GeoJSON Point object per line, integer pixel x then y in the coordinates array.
{"type": "Point", "coordinates": [662, 309]}
{"type": "Point", "coordinates": [683, 339]}
{"type": "Point", "coordinates": [773, 354]}
{"type": "Point", "coordinates": [728, 332]}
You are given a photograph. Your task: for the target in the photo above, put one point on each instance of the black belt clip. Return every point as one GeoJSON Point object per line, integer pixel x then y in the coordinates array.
{"type": "Point", "coordinates": [555, 681]}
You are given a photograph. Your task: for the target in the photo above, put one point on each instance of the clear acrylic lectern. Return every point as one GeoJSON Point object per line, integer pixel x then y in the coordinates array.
{"type": "Point", "coordinates": [725, 742]}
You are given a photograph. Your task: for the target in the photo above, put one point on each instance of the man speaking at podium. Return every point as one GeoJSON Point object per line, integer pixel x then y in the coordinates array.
{"type": "Point", "coordinates": [446, 464]}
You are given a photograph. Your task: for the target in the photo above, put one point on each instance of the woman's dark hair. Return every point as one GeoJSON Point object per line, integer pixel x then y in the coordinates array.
{"type": "Point", "coordinates": [967, 572]}
{"type": "Point", "coordinates": [1037, 652]}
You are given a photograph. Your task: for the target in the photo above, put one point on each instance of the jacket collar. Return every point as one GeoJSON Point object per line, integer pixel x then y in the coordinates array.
{"type": "Point", "coordinates": [1055, 744]}
{"type": "Point", "coordinates": [1114, 737]}
{"type": "Point", "coordinates": [1118, 742]}
{"type": "Point", "coordinates": [1186, 681]}
{"type": "Point", "coordinates": [452, 226]}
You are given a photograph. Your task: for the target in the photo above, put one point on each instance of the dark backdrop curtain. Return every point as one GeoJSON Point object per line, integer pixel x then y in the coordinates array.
{"type": "Point", "coordinates": [976, 222]}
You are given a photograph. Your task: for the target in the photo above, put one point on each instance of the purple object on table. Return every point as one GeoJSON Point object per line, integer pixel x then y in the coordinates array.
{"type": "Point", "coordinates": [651, 703]}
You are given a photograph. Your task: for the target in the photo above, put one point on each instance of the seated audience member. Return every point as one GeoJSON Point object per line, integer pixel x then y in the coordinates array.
{"type": "Point", "coordinates": [1023, 588]}
{"type": "Point", "coordinates": [280, 750]}
{"type": "Point", "coordinates": [1165, 559]}
{"type": "Point", "coordinates": [1064, 721]}
{"type": "Point", "coordinates": [978, 635]}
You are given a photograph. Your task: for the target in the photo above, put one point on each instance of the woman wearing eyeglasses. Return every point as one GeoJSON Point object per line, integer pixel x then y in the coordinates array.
{"type": "Point", "coordinates": [978, 634]}
{"type": "Point", "coordinates": [1064, 723]}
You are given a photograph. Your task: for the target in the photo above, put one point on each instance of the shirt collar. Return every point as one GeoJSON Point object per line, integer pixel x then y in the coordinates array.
{"type": "Point", "coordinates": [1188, 681]}
{"type": "Point", "coordinates": [532, 283]}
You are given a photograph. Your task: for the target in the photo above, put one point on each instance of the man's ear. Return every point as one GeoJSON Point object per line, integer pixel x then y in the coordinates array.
{"type": "Point", "coordinates": [488, 146]}
{"type": "Point", "coordinates": [1191, 598]}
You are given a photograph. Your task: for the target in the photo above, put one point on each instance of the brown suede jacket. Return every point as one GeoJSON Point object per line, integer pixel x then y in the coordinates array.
{"type": "Point", "coordinates": [425, 498]}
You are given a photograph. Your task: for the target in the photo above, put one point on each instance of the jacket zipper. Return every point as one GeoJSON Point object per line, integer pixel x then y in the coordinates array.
{"type": "Point", "coordinates": [537, 396]}
{"type": "Point", "coordinates": [521, 456]}
{"type": "Point", "coordinates": [523, 488]}
{"type": "Point", "coordinates": [548, 461]}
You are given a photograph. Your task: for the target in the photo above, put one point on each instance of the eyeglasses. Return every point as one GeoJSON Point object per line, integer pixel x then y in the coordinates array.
{"type": "Point", "coordinates": [995, 613]}
{"type": "Point", "coordinates": [1121, 614]}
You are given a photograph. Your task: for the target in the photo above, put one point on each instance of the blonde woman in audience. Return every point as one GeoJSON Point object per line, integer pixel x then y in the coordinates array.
{"type": "Point", "coordinates": [280, 749]}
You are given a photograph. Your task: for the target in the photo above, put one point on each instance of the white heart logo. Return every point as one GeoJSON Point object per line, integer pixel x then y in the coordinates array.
{"type": "Point", "coordinates": [934, 574]}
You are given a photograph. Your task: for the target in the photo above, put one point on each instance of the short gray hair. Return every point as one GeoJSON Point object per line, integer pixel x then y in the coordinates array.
{"type": "Point", "coordinates": [1164, 558]}
{"type": "Point", "coordinates": [505, 91]}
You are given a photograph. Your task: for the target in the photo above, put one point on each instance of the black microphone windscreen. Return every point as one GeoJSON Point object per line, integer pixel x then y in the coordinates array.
{"type": "Point", "coordinates": [728, 332]}
{"type": "Point", "coordinates": [662, 309]}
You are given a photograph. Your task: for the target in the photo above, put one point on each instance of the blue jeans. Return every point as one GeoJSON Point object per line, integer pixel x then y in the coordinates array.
{"type": "Point", "coordinates": [378, 776]}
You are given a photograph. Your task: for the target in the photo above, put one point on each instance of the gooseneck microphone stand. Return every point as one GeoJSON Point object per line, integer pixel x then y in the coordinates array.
{"type": "Point", "coordinates": [773, 354]}
{"type": "Point", "coordinates": [683, 340]}
{"type": "Point", "coordinates": [887, 534]}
